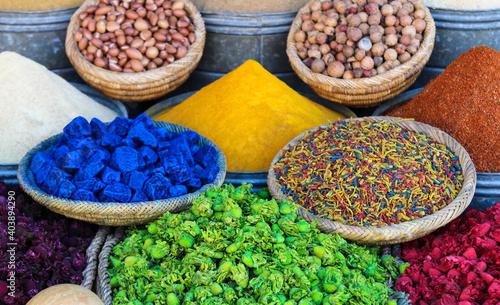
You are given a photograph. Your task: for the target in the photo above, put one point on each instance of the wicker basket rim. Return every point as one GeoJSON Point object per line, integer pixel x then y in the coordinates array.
{"type": "Point", "coordinates": [25, 177]}
{"type": "Point", "coordinates": [468, 187]}
{"type": "Point", "coordinates": [393, 74]}
{"type": "Point", "coordinates": [144, 77]}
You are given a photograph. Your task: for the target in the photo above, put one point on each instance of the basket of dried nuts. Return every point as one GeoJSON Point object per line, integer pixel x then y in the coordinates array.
{"type": "Point", "coordinates": [135, 50]}
{"type": "Point", "coordinates": [360, 52]}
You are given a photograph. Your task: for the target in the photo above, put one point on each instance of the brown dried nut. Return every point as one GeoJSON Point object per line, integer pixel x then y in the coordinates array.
{"type": "Point", "coordinates": [409, 31]}
{"type": "Point", "coordinates": [302, 52]}
{"type": "Point", "coordinates": [91, 9]}
{"type": "Point", "coordinates": [328, 58]}
{"type": "Point", "coordinates": [409, 7]}
{"type": "Point", "coordinates": [101, 26]}
{"type": "Point", "coordinates": [326, 5]}
{"type": "Point", "coordinates": [419, 25]}
{"type": "Point", "coordinates": [367, 63]}
{"type": "Point", "coordinates": [103, 10]}
{"type": "Point", "coordinates": [419, 14]}
{"type": "Point", "coordinates": [348, 75]}
{"type": "Point", "coordinates": [96, 42]}
{"type": "Point", "coordinates": [357, 72]}
{"type": "Point", "coordinates": [359, 54]}
{"type": "Point", "coordinates": [318, 66]}
{"type": "Point", "coordinates": [91, 49]}
{"type": "Point", "coordinates": [329, 30]}
{"type": "Point", "coordinates": [320, 26]}
{"type": "Point", "coordinates": [363, 16]}
{"type": "Point", "coordinates": [412, 49]}
{"type": "Point", "coordinates": [324, 49]}
{"type": "Point", "coordinates": [354, 20]}
{"type": "Point", "coordinates": [177, 5]}
{"type": "Point", "coordinates": [78, 35]}
{"type": "Point", "coordinates": [161, 37]}
{"type": "Point", "coordinates": [315, 5]}
{"type": "Point", "coordinates": [348, 51]}
{"type": "Point", "coordinates": [181, 52]}
{"type": "Point", "coordinates": [130, 14]}
{"type": "Point", "coordinates": [397, 5]}
{"type": "Point", "coordinates": [133, 53]}
{"type": "Point", "coordinates": [90, 57]}
{"type": "Point", "coordinates": [112, 26]}
{"type": "Point", "coordinates": [402, 12]}
{"type": "Point", "coordinates": [374, 19]}
{"type": "Point", "coordinates": [321, 38]}
{"type": "Point", "coordinates": [405, 20]}
{"type": "Point", "coordinates": [315, 15]}
{"type": "Point", "coordinates": [390, 20]}
{"type": "Point", "coordinates": [308, 26]}
{"type": "Point", "coordinates": [378, 49]}
{"type": "Point", "coordinates": [341, 7]}
{"type": "Point", "coordinates": [415, 42]}
{"type": "Point", "coordinates": [150, 6]}
{"type": "Point", "coordinates": [341, 37]}
{"type": "Point", "coordinates": [364, 27]}
{"type": "Point", "coordinates": [404, 57]}
{"type": "Point", "coordinates": [387, 10]}
{"type": "Point", "coordinates": [137, 43]}
{"type": "Point", "coordinates": [314, 54]}
{"type": "Point", "coordinates": [365, 44]}
{"type": "Point", "coordinates": [390, 54]}
{"type": "Point", "coordinates": [91, 25]}
{"type": "Point", "coordinates": [372, 8]}
{"type": "Point", "coordinates": [136, 65]}
{"type": "Point", "coordinates": [405, 40]}
{"type": "Point", "coordinates": [100, 62]}
{"type": "Point", "coordinates": [176, 36]}
{"type": "Point", "coordinates": [336, 69]}
{"type": "Point", "coordinates": [163, 24]}
{"type": "Point", "coordinates": [331, 22]}
{"type": "Point", "coordinates": [83, 43]}
{"type": "Point", "coordinates": [306, 16]}
{"type": "Point", "coordinates": [341, 58]}
{"type": "Point", "coordinates": [113, 51]}
{"type": "Point", "coordinates": [376, 37]}
{"type": "Point", "coordinates": [390, 30]}
{"type": "Point", "coordinates": [391, 40]}
{"type": "Point", "coordinates": [179, 13]}
{"type": "Point", "coordinates": [141, 25]}
{"type": "Point", "coordinates": [378, 61]}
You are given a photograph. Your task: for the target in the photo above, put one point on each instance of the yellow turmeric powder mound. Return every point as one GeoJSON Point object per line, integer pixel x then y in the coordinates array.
{"type": "Point", "coordinates": [250, 115]}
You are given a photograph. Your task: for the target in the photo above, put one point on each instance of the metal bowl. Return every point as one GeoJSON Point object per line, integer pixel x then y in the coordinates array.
{"type": "Point", "coordinates": [258, 179]}
{"type": "Point", "coordinates": [8, 172]}
{"type": "Point", "coordinates": [487, 191]}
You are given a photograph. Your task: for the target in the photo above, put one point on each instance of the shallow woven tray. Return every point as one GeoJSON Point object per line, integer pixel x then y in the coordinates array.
{"type": "Point", "coordinates": [370, 91]}
{"type": "Point", "coordinates": [408, 230]}
{"type": "Point", "coordinates": [141, 86]}
{"type": "Point", "coordinates": [105, 291]}
{"type": "Point", "coordinates": [113, 213]}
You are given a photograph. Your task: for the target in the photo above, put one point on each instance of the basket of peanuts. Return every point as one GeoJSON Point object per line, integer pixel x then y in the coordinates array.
{"type": "Point", "coordinates": [135, 50]}
{"type": "Point", "coordinates": [360, 52]}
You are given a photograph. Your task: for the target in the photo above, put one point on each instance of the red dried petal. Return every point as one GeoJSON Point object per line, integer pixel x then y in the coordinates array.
{"type": "Point", "coordinates": [470, 254]}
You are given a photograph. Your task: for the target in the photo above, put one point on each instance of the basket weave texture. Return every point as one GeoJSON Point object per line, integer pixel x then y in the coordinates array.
{"type": "Point", "coordinates": [90, 271]}
{"type": "Point", "coordinates": [105, 291]}
{"type": "Point", "coordinates": [408, 230]}
{"type": "Point", "coordinates": [140, 86]}
{"type": "Point", "coordinates": [113, 213]}
{"type": "Point", "coordinates": [363, 92]}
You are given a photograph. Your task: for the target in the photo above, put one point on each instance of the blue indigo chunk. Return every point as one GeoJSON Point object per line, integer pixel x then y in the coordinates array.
{"type": "Point", "coordinates": [177, 168]}
{"type": "Point", "coordinates": [206, 155]}
{"type": "Point", "coordinates": [177, 190]}
{"type": "Point", "coordinates": [209, 174]}
{"type": "Point", "coordinates": [180, 145]}
{"type": "Point", "coordinates": [84, 195]}
{"type": "Point", "coordinates": [124, 159]}
{"type": "Point", "coordinates": [120, 126]}
{"type": "Point", "coordinates": [159, 170]}
{"type": "Point", "coordinates": [109, 175]}
{"type": "Point", "coordinates": [149, 156]}
{"type": "Point", "coordinates": [98, 155]}
{"type": "Point", "coordinates": [139, 197]}
{"type": "Point", "coordinates": [141, 136]}
{"type": "Point", "coordinates": [77, 128]}
{"type": "Point", "coordinates": [59, 153]}
{"type": "Point", "coordinates": [39, 159]}
{"type": "Point", "coordinates": [118, 191]}
{"type": "Point", "coordinates": [163, 146]}
{"type": "Point", "coordinates": [54, 179]}
{"type": "Point", "coordinates": [94, 185]}
{"type": "Point", "coordinates": [156, 187]}
{"type": "Point", "coordinates": [192, 184]}
{"type": "Point", "coordinates": [90, 171]}
{"type": "Point", "coordinates": [191, 136]}
{"type": "Point", "coordinates": [136, 180]}
{"type": "Point", "coordinates": [98, 128]}
{"type": "Point", "coordinates": [42, 173]}
{"type": "Point", "coordinates": [72, 161]}
{"type": "Point", "coordinates": [66, 189]}
{"type": "Point", "coordinates": [145, 120]}
{"type": "Point", "coordinates": [162, 134]}
{"type": "Point", "coordinates": [110, 139]}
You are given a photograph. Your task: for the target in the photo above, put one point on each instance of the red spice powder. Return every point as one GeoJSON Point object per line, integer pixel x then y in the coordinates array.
{"type": "Point", "coordinates": [464, 101]}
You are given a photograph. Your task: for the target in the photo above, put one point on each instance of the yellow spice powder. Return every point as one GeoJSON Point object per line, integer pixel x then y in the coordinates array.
{"type": "Point", "coordinates": [250, 115]}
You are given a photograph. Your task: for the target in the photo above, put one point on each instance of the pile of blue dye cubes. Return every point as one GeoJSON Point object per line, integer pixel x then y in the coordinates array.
{"type": "Point", "coordinates": [125, 161]}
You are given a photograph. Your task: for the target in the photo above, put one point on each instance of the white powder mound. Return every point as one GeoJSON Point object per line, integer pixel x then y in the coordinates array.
{"type": "Point", "coordinates": [464, 4]}
{"type": "Point", "coordinates": [36, 104]}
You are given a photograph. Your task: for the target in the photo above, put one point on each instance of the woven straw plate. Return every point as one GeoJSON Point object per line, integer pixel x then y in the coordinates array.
{"type": "Point", "coordinates": [105, 291]}
{"type": "Point", "coordinates": [370, 91]}
{"type": "Point", "coordinates": [406, 231]}
{"type": "Point", "coordinates": [141, 86]}
{"type": "Point", "coordinates": [113, 213]}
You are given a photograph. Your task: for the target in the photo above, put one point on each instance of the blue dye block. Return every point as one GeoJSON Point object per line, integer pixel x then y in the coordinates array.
{"type": "Point", "coordinates": [98, 128]}
{"type": "Point", "coordinates": [136, 180]}
{"type": "Point", "coordinates": [109, 175]}
{"type": "Point", "coordinates": [104, 198]}
{"type": "Point", "coordinates": [149, 156]}
{"type": "Point", "coordinates": [191, 136]}
{"type": "Point", "coordinates": [174, 135]}
{"type": "Point", "coordinates": [177, 190]}
{"type": "Point", "coordinates": [193, 183]}
{"type": "Point", "coordinates": [177, 168]}
{"type": "Point", "coordinates": [42, 173]}
{"type": "Point", "coordinates": [63, 140]}
{"type": "Point", "coordinates": [206, 155]}
{"type": "Point", "coordinates": [124, 159]}
{"type": "Point", "coordinates": [58, 153]}
{"type": "Point", "coordinates": [118, 191]}
{"type": "Point", "coordinates": [141, 136]}
{"type": "Point", "coordinates": [156, 187]}
{"type": "Point", "coordinates": [90, 171]}
{"type": "Point", "coordinates": [94, 185]}
{"type": "Point", "coordinates": [181, 145]}
{"type": "Point", "coordinates": [197, 170]}
{"type": "Point", "coordinates": [54, 179]}
{"type": "Point", "coordinates": [80, 184]}
{"type": "Point", "coordinates": [66, 189]}
{"type": "Point", "coordinates": [139, 197]}
{"type": "Point", "coordinates": [162, 134]}
{"type": "Point", "coordinates": [39, 159]}
{"type": "Point", "coordinates": [72, 161]}
{"type": "Point", "coordinates": [194, 149]}
{"type": "Point", "coordinates": [159, 170]}
{"type": "Point", "coordinates": [82, 144]}
{"type": "Point", "coordinates": [120, 126]}
{"type": "Point", "coordinates": [124, 142]}
{"type": "Point", "coordinates": [77, 128]}
{"type": "Point", "coordinates": [209, 174]}
{"type": "Point", "coordinates": [98, 155]}
{"type": "Point", "coordinates": [110, 139]}
{"type": "Point", "coordinates": [145, 120]}
{"type": "Point", "coordinates": [163, 146]}
{"type": "Point", "coordinates": [84, 195]}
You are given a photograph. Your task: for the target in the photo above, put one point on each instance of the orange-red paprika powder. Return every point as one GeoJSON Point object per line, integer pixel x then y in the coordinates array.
{"type": "Point", "coordinates": [464, 101]}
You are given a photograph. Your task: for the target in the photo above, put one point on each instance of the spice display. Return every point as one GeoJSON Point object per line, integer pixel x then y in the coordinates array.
{"type": "Point", "coordinates": [44, 5]}
{"type": "Point", "coordinates": [463, 4]}
{"type": "Point", "coordinates": [369, 173]}
{"type": "Point", "coordinates": [463, 101]}
{"type": "Point", "coordinates": [250, 115]}
{"type": "Point", "coordinates": [238, 247]}
{"type": "Point", "coordinates": [134, 36]}
{"type": "Point", "coordinates": [353, 39]}
{"type": "Point", "coordinates": [37, 104]}
{"type": "Point", "coordinates": [49, 249]}
{"type": "Point", "coordinates": [66, 294]}
{"type": "Point", "coordinates": [245, 7]}
{"type": "Point", "coordinates": [125, 161]}
{"type": "Point", "coordinates": [458, 264]}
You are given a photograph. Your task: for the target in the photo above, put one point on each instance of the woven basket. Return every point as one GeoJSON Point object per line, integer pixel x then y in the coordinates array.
{"type": "Point", "coordinates": [90, 271]}
{"type": "Point", "coordinates": [370, 91]}
{"type": "Point", "coordinates": [141, 86]}
{"type": "Point", "coordinates": [113, 213]}
{"type": "Point", "coordinates": [105, 291]}
{"type": "Point", "coordinates": [396, 233]}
